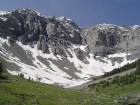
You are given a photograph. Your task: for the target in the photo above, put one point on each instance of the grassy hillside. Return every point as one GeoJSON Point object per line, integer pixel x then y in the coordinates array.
{"type": "Point", "coordinates": [16, 90]}
{"type": "Point", "coordinates": [125, 87]}
{"type": "Point", "coordinates": [129, 93]}
{"type": "Point", "coordinates": [19, 91]}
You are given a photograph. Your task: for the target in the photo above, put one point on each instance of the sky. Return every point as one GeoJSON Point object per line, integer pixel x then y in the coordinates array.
{"type": "Point", "coordinates": [83, 12]}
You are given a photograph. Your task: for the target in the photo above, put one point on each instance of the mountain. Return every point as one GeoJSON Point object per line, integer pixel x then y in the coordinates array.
{"type": "Point", "coordinates": [56, 51]}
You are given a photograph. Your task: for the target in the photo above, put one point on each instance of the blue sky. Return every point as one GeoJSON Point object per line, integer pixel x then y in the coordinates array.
{"type": "Point", "coordinates": [83, 12]}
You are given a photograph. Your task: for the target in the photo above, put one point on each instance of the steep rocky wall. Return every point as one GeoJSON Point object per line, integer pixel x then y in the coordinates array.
{"type": "Point", "coordinates": [105, 39]}
{"type": "Point", "coordinates": [47, 31]}
{"type": "Point", "coordinates": [27, 21]}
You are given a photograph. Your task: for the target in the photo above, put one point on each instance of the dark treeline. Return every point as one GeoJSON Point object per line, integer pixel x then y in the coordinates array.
{"type": "Point", "coordinates": [124, 68]}
{"type": "Point", "coordinates": [1, 69]}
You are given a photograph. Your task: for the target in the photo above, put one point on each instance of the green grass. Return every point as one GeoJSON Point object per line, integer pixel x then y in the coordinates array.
{"type": "Point", "coordinates": [114, 91]}
{"type": "Point", "coordinates": [118, 90]}
{"type": "Point", "coordinates": [19, 91]}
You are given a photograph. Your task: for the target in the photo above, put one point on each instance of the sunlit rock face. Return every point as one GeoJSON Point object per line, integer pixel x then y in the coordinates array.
{"type": "Point", "coordinates": [105, 39]}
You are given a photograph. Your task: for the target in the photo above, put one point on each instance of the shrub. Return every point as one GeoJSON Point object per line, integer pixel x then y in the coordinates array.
{"type": "Point", "coordinates": [21, 75]}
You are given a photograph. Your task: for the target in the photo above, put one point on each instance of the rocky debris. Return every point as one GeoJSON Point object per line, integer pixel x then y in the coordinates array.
{"type": "Point", "coordinates": [36, 102]}
{"type": "Point", "coordinates": [24, 39]}
{"type": "Point", "coordinates": [117, 59]}
{"type": "Point", "coordinates": [80, 54]}
{"type": "Point", "coordinates": [58, 46]}
{"type": "Point", "coordinates": [41, 39]}
{"type": "Point", "coordinates": [100, 59]}
{"type": "Point", "coordinates": [51, 30]}
{"type": "Point", "coordinates": [11, 39]}
{"type": "Point", "coordinates": [45, 48]}
{"type": "Point", "coordinates": [131, 97]}
{"type": "Point", "coordinates": [42, 44]}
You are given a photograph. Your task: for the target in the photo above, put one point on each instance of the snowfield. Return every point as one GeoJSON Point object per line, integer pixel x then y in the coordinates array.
{"type": "Point", "coordinates": [4, 12]}
{"type": "Point", "coordinates": [42, 67]}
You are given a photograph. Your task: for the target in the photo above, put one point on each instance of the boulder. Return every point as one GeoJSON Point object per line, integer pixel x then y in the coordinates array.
{"type": "Point", "coordinates": [80, 54]}
{"type": "Point", "coordinates": [24, 39]}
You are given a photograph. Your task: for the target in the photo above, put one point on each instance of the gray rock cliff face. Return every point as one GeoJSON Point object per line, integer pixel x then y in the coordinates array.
{"type": "Point", "coordinates": [105, 39]}
{"type": "Point", "coordinates": [33, 26]}
{"type": "Point", "coordinates": [42, 44]}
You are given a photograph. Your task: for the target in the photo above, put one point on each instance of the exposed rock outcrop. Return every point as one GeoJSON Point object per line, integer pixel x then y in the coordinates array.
{"type": "Point", "coordinates": [42, 44]}
{"type": "Point", "coordinates": [27, 21]}
{"type": "Point", "coordinates": [105, 39]}
{"type": "Point", "coordinates": [30, 24]}
{"type": "Point", "coordinates": [24, 39]}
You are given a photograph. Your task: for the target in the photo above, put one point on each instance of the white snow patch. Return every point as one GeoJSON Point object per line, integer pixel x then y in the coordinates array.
{"type": "Point", "coordinates": [135, 27]}
{"type": "Point", "coordinates": [11, 28]}
{"type": "Point", "coordinates": [4, 12]}
{"type": "Point", "coordinates": [71, 35]}
{"type": "Point", "coordinates": [63, 18]}
{"type": "Point", "coordinates": [66, 68]}
{"type": "Point", "coordinates": [2, 18]}
{"type": "Point", "coordinates": [19, 23]}
{"type": "Point", "coordinates": [118, 55]}
{"type": "Point", "coordinates": [105, 26]}
{"type": "Point", "coordinates": [12, 72]}
{"type": "Point", "coordinates": [83, 47]}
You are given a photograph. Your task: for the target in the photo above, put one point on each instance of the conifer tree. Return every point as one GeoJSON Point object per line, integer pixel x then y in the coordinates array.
{"type": "Point", "coordinates": [29, 79]}
{"type": "Point", "coordinates": [1, 68]}
{"type": "Point", "coordinates": [138, 67]}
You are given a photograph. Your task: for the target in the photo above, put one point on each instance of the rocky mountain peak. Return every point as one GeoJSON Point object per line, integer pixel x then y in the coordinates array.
{"type": "Point", "coordinates": [27, 22]}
